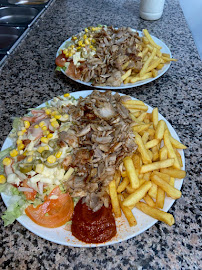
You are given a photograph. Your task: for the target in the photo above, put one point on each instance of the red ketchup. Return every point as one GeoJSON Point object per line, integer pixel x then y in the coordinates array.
{"type": "Point", "coordinates": [93, 227]}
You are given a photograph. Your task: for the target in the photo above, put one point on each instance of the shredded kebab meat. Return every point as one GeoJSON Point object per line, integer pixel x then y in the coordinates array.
{"type": "Point", "coordinates": [114, 47]}
{"type": "Point", "coordinates": [101, 137]}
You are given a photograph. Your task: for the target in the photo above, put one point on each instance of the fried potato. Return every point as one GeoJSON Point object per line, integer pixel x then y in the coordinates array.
{"type": "Point", "coordinates": [131, 172]}
{"type": "Point", "coordinates": [133, 102]}
{"type": "Point", "coordinates": [177, 144]}
{"type": "Point", "coordinates": [160, 130]}
{"type": "Point", "coordinates": [143, 151]}
{"type": "Point", "coordinates": [180, 174]}
{"type": "Point", "coordinates": [141, 127]}
{"type": "Point", "coordinates": [156, 213]}
{"type": "Point", "coordinates": [149, 200]}
{"type": "Point", "coordinates": [157, 165]}
{"type": "Point", "coordinates": [135, 197]}
{"type": "Point", "coordinates": [160, 198]}
{"type": "Point", "coordinates": [153, 191]}
{"type": "Point", "coordinates": [117, 177]}
{"type": "Point", "coordinates": [170, 190]}
{"type": "Point", "coordinates": [151, 143]}
{"type": "Point", "coordinates": [126, 75]}
{"type": "Point", "coordinates": [147, 35]}
{"type": "Point", "coordinates": [163, 153]}
{"type": "Point", "coordinates": [146, 64]}
{"type": "Point", "coordinates": [155, 117]}
{"type": "Point", "coordinates": [171, 152]}
{"type": "Point", "coordinates": [114, 198]}
{"type": "Point", "coordinates": [123, 185]}
{"type": "Point", "coordinates": [127, 212]}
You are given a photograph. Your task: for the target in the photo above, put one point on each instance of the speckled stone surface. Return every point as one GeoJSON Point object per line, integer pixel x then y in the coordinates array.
{"type": "Point", "coordinates": [27, 79]}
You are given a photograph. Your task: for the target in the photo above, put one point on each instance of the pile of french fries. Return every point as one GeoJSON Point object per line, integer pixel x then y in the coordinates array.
{"type": "Point", "coordinates": [152, 58]}
{"type": "Point", "coordinates": [149, 174]}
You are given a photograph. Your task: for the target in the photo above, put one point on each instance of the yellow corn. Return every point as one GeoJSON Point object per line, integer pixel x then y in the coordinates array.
{"type": "Point", "coordinates": [19, 141]}
{"type": "Point", "coordinates": [66, 95]}
{"type": "Point", "coordinates": [55, 124]}
{"type": "Point", "coordinates": [86, 30]}
{"type": "Point", "coordinates": [41, 149]}
{"type": "Point", "coordinates": [6, 161]}
{"type": "Point", "coordinates": [58, 116]}
{"type": "Point", "coordinates": [80, 43]}
{"type": "Point", "coordinates": [24, 130]}
{"type": "Point", "coordinates": [44, 140]}
{"type": "Point", "coordinates": [42, 123]}
{"type": "Point", "coordinates": [44, 128]}
{"type": "Point", "coordinates": [46, 132]}
{"type": "Point", "coordinates": [74, 38]}
{"type": "Point", "coordinates": [65, 51]}
{"type": "Point", "coordinates": [25, 153]}
{"type": "Point", "coordinates": [87, 42]}
{"type": "Point", "coordinates": [2, 179]}
{"type": "Point", "coordinates": [65, 116]}
{"type": "Point", "coordinates": [36, 126]}
{"type": "Point", "coordinates": [54, 113]}
{"type": "Point", "coordinates": [93, 40]}
{"type": "Point", "coordinates": [48, 111]}
{"type": "Point", "coordinates": [58, 154]}
{"type": "Point", "coordinates": [26, 124]}
{"type": "Point", "coordinates": [53, 119]}
{"type": "Point", "coordinates": [51, 159]}
{"type": "Point", "coordinates": [84, 36]}
{"type": "Point", "coordinates": [50, 135]}
{"type": "Point", "coordinates": [30, 159]}
{"type": "Point", "coordinates": [21, 146]}
{"type": "Point", "coordinates": [78, 48]}
{"type": "Point", "coordinates": [13, 153]}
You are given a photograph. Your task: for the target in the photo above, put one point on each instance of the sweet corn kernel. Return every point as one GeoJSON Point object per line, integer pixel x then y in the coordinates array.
{"type": "Point", "coordinates": [90, 46]}
{"type": "Point", "coordinates": [86, 30]}
{"type": "Point", "coordinates": [48, 111]}
{"type": "Point", "coordinates": [65, 51]}
{"type": "Point", "coordinates": [58, 154]}
{"type": "Point", "coordinates": [6, 161]}
{"type": "Point", "coordinates": [72, 46]}
{"type": "Point", "coordinates": [46, 147]}
{"type": "Point", "coordinates": [93, 40]}
{"type": "Point", "coordinates": [26, 124]}
{"type": "Point", "coordinates": [50, 135]}
{"type": "Point", "coordinates": [46, 132]}
{"type": "Point", "coordinates": [80, 42]}
{"type": "Point", "coordinates": [42, 123]}
{"type": "Point", "coordinates": [20, 133]}
{"type": "Point", "coordinates": [78, 48]}
{"type": "Point", "coordinates": [70, 54]}
{"type": "Point", "coordinates": [2, 179]}
{"type": "Point", "coordinates": [58, 116]}
{"type": "Point", "coordinates": [19, 141]}
{"type": "Point", "coordinates": [53, 119]}
{"type": "Point", "coordinates": [51, 159]}
{"type": "Point", "coordinates": [44, 140]}
{"type": "Point", "coordinates": [13, 153]}
{"type": "Point", "coordinates": [41, 149]}
{"type": "Point", "coordinates": [21, 146]}
{"type": "Point", "coordinates": [24, 130]}
{"type": "Point", "coordinates": [82, 45]}
{"type": "Point", "coordinates": [44, 128]}
{"type": "Point", "coordinates": [55, 124]}
{"type": "Point", "coordinates": [66, 95]}
{"type": "Point", "coordinates": [93, 28]}
{"type": "Point", "coordinates": [36, 126]}
{"type": "Point", "coordinates": [67, 55]}
{"type": "Point", "coordinates": [54, 113]}
{"type": "Point", "coordinates": [84, 36]}
{"type": "Point", "coordinates": [74, 38]}
{"type": "Point", "coordinates": [87, 42]}
{"type": "Point", "coordinates": [30, 159]}
{"type": "Point", "coordinates": [25, 153]}
{"type": "Point", "coordinates": [65, 116]}
{"type": "Point", "coordinates": [39, 168]}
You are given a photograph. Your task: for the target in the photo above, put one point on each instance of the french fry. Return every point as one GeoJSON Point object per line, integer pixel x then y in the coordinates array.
{"type": "Point", "coordinates": [123, 173]}
{"type": "Point", "coordinates": [166, 55]}
{"type": "Point", "coordinates": [142, 116]}
{"type": "Point", "coordinates": [177, 144]}
{"type": "Point", "coordinates": [153, 191]}
{"type": "Point", "coordinates": [160, 66]}
{"type": "Point", "coordinates": [145, 137]}
{"type": "Point", "coordinates": [171, 191]}
{"type": "Point", "coordinates": [117, 177]}
{"type": "Point", "coordinates": [149, 200]}
{"type": "Point", "coordinates": [151, 143]}
{"type": "Point", "coordinates": [155, 153]}
{"type": "Point", "coordinates": [163, 153]}
{"type": "Point", "coordinates": [154, 65]}
{"type": "Point", "coordinates": [155, 117]}
{"type": "Point", "coordinates": [143, 151]}
{"type": "Point", "coordinates": [128, 213]}
{"type": "Point", "coordinates": [146, 64]}
{"type": "Point", "coordinates": [160, 130]}
{"type": "Point", "coordinates": [156, 213]}
{"type": "Point", "coordinates": [123, 185]}
{"type": "Point", "coordinates": [147, 35]}
{"type": "Point", "coordinates": [141, 127]}
{"type": "Point", "coordinates": [137, 161]}
{"type": "Point", "coordinates": [133, 102]}
{"type": "Point", "coordinates": [171, 152]}
{"type": "Point", "coordinates": [172, 181]}
{"type": "Point", "coordinates": [167, 59]}
{"type": "Point", "coordinates": [179, 157]}
{"type": "Point", "coordinates": [146, 176]}
{"type": "Point", "coordinates": [125, 65]}
{"type": "Point", "coordinates": [127, 80]}
{"type": "Point", "coordinates": [135, 197]}
{"type": "Point", "coordinates": [144, 52]}
{"type": "Point", "coordinates": [160, 198]}
{"type": "Point", "coordinates": [154, 73]}
{"type": "Point", "coordinates": [163, 176]}
{"type": "Point", "coordinates": [136, 107]}
{"type": "Point", "coordinates": [131, 172]}
{"type": "Point", "coordinates": [126, 75]}
{"type": "Point", "coordinates": [180, 174]}
{"type": "Point", "coordinates": [157, 165]}
{"type": "Point", "coordinates": [114, 198]}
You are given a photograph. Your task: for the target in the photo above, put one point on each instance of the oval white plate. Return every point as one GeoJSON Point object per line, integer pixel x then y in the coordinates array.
{"type": "Point", "coordinates": [164, 49]}
{"type": "Point", "coordinates": [124, 231]}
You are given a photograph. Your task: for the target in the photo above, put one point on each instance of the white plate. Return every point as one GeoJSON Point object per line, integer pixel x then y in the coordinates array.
{"type": "Point", "coordinates": [164, 49]}
{"type": "Point", "coordinates": [124, 231]}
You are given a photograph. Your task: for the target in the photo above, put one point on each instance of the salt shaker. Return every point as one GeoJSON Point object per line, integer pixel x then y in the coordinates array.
{"type": "Point", "coordinates": [151, 9]}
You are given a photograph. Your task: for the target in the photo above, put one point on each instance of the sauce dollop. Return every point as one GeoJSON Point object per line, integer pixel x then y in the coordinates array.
{"type": "Point", "coordinates": [93, 227]}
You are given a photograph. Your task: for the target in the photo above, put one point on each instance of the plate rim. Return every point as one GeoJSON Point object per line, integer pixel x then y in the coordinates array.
{"type": "Point", "coordinates": [124, 86]}
{"type": "Point", "coordinates": [83, 244]}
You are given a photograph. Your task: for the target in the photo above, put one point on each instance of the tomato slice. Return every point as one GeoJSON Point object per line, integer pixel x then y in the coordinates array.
{"type": "Point", "coordinates": [52, 213]}
{"type": "Point", "coordinates": [29, 195]}
{"type": "Point", "coordinates": [71, 71]}
{"type": "Point", "coordinates": [60, 60]}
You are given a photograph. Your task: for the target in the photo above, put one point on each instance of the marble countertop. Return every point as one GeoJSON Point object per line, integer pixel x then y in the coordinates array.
{"type": "Point", "coordinates": [28, 78]}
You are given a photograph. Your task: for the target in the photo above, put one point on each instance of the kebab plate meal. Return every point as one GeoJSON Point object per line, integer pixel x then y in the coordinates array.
{"type": "Point", "coordinates": [85, 162]}
{"type": "Point", "coordinates": [108, 56]}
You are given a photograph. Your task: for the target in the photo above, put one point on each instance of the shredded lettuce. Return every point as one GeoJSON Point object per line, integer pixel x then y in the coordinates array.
{"type": "Point", "coordinates": [3, 154]}
{"type": "Point", "coordinates": [58, 68]}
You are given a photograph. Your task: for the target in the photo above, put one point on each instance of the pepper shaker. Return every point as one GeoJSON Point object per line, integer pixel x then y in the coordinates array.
{"type": "Point", "coordinates": [151, 9]}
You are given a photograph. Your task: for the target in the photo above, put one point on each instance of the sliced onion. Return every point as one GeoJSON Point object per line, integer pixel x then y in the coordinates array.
{"type": "Point", "coordinates": [25, 189]}
{"type": "Point", "coordinates": [40, 186]}
{"type": "Point", "coordinates": [20, 175]}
